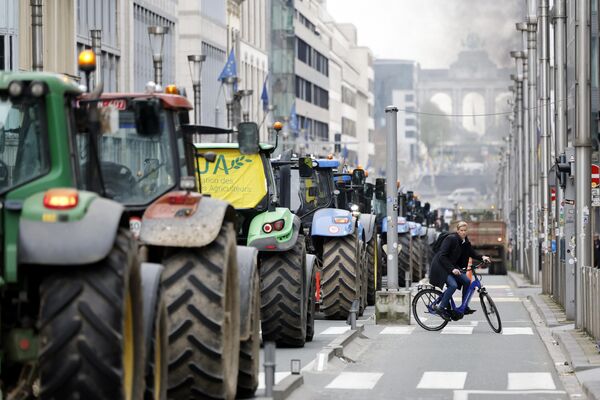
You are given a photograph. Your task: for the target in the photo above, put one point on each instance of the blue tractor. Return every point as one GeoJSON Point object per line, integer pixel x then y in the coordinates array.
{"type": "Point", "coordinates": [332, 229]}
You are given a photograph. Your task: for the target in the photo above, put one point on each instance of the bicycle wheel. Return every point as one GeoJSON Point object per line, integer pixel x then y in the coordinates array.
{"type": "Point", "coordinates": [422, 307]}
{"type": "Point", "coordinates": [491, 312]}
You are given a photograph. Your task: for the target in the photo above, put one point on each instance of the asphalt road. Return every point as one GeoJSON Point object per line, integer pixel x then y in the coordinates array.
{"type": "Point", "coordinates": [465, 361]}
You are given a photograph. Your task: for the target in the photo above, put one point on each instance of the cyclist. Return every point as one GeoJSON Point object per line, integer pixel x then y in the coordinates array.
{"type": "Point", "coordinates": [447, 263]}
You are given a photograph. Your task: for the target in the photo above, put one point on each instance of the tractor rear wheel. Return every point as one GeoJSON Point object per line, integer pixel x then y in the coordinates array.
{"type": "Point", "coordinates": [91, 332]}
{"type": "Point", "coordinates": [247, 382]}
{"type": "Point", "coordinates": [340, 281]}
{"type": "Point", "coordinates": [311, 305]}
{"type": "Point", "coordinates": [373, 270]}
{"type": "Point", "coordinates": [283, 295]}
{"type": "Point", "coordinates": [156, 376]}
{"type": "Point", "coordinates": [403, 258]}
{"type": "Point", "coordinates": [203, 304]}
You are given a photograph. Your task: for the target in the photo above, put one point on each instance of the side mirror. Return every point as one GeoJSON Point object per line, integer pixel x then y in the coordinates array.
{"type": "Point", "coordinates": [305, 167]}
{"type": "Point", "coordinates": [248, 139]}
{"type": "Point", "coordinates": [147, 117]}
{"type": "Point", "coordinates": [380, 189]}
{"type": "Point", "coordinates": [358, 176]}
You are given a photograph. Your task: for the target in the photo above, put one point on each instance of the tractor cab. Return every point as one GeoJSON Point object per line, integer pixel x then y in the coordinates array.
{"type": "Point", "coordinates": [141, 149]}
{"type": "Point", "coordinates": [244, 180]}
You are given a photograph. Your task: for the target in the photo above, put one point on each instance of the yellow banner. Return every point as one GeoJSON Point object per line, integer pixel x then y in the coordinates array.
{"type": "Point", "coordinates": [234, 177]}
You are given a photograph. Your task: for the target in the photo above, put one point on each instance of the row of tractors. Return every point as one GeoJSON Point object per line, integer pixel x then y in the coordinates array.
{"type": "Point", "coordinates": [146, 257]}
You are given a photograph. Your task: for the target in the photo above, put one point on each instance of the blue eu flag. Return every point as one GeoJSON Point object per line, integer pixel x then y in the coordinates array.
{"type": "Point", "coordinates": [230, 68]}
{"type": "Point", "coordinates": [264, 97]}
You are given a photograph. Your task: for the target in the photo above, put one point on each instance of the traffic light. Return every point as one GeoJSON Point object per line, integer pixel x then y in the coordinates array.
{"type": "Point", "coordinates": [563, 168]}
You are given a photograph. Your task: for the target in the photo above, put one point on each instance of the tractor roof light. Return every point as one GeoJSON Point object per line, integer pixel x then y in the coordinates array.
{"type": "Point", "coordinates": [278, 126]}
{"type": "Point", "coordinates": [87, 61]}
{"type": "Point", "coordinates": [37, 89]}
{"type": "Point", "coordinates": [61, 199]}
{"type": "Point", "coordinates": [171, 89]}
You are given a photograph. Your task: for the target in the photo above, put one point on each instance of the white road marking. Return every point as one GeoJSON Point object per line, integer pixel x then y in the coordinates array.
{"type": "Point", "coordinates": [322, 360]}
{"type": "Point", "coordinates": [397, 330]}
{"type": "Point", "coordinates": [506, 299]}
{"type": "Point", "coordinates": [355, 380]}
{"type": "Point", "coordinates": [530, 381]}
{"type": "Point", "coordinates": [442, 380]}
{"type": "Point", "coordinates": [497, 286]}
{"type": "Point", "coordinates": [278, 378]}
{"type": "Point", "coordinates": [457, 330]}
{"type": "Point", "coordinates": [335, 330]}
{"type": "Point", "coordinates": [464, 394]}
{"type": "Point", "coordinates": [517, 331]}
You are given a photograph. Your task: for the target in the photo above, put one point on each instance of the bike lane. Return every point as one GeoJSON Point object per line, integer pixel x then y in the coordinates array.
{"type": "Point", "coordinates": [466, 360]}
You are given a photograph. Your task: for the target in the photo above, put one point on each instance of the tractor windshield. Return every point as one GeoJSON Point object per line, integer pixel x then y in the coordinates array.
{"type": "Point", "coordinates": [309, 193]}
{"type": "Point", "coordinates": [136, 167]}
{"type": "Point", "coordinates": [23, 142]}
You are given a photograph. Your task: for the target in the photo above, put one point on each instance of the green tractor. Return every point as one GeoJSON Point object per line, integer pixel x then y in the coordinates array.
{"type": "Point", "coordinates": [243, 176]}
{"type": "Point", "coordinates": [72, 287]}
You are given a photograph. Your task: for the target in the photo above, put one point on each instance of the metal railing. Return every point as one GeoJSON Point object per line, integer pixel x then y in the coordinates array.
{"type": "Point", "coordinates": [590, 284]}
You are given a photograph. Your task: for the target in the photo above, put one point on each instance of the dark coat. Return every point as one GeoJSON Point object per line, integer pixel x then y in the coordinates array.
{"type": "Point", "coordinates": [453, 253]}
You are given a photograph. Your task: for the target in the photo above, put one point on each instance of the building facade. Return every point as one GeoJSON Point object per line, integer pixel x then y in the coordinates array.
{"type": "Point", "coordinates": [396, 83]}
{"type": "Point", "coordinates": [321, 82]}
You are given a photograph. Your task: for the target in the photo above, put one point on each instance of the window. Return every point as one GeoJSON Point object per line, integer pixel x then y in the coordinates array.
{"type": "Point", "coordinates": [2, 58]}
{"type": "Point", "coordinates": [409, 97]}
{"type": "Point", "coordinates": [410, 122]}
{"type": "Point", "coordinates": [348, 96]}
{"type": "Point", "coordinates": [311, 57]}
{"type": "Point", "coordinates": [311, 93]}
{"type": "Point", "coordinates": [371, 136]}
{"type": "Point", "coordinates": [371, 110]}
{"type": "Point", "coordinates": [410, 134]}
{"type": "Point", "coordinates": [348, 127]}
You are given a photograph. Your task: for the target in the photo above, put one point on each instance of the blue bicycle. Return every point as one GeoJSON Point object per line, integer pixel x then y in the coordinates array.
{"type": "Point", "coordinates": [429, 296]}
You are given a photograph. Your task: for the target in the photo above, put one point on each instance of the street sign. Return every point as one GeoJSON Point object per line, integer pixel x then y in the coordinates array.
{"type": "Point", "coordinates": [596, 197]}
{"type": "Point", "coordinates": [595, 175]}
{"type": "Point", "coordinates": [553, 194]}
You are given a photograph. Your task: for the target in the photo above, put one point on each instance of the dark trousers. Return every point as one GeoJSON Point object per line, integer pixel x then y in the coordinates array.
{"type": "Point", "coordinates": [452, 284]}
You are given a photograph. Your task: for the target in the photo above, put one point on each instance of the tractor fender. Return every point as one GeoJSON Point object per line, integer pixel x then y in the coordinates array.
{"type": "Point", "coordinates": [402, 225]}
{"type": "Point", "coordinates": [282, 240]}
{"type": "Point", "coordinates": [324, 224]}
{"type": "Point", "coordinates": [80, 242]}
{"type": "Point", "coordinates": [311, 264]}
{"type": "Point", "coordinates": [151, 277]}
{"type": "Point", "coordinates": [162, 226]}
{"type": "Point", "coordinates": [247, 258]}
{"type": "Point", "coordinates": [368, 223]}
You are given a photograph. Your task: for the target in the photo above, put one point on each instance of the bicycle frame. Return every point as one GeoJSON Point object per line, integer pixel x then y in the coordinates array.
{"type": "Point", "coordinates": [475, 285]}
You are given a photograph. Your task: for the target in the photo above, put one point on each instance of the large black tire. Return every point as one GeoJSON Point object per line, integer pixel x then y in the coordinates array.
{"type": "Point", "coordinates": [249, 368]}
{"type": "Point", "coordinates": [403, 258]}
{"type": "Point", "coordinates": [417, 259]}
{"type": "Point", "coordinates": [373, 270]}
{"type": "Point", "coordinates": [156, 376]}
{"type": "Point", "coordinates": [203, 300]}
{"type": "Point", "coordinates": [91, 332]}
{"type": "Point", "coordinates": [283, 296]}
{"type": "Point", "coordinates": [340, 281]}
{"type": "Point", "coordinates": [311, 305]}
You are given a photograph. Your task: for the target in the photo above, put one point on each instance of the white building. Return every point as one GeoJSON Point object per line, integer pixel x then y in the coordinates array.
{"type": "Point", "coordinates": [332, 77]}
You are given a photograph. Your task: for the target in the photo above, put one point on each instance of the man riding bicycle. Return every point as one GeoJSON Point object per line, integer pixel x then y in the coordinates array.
{"type": "Point", "coordinates": [446, 267]}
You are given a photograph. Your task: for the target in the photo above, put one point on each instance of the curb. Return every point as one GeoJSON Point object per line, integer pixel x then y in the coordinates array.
{"type": "Point", "coordinates": [334, 349]}
{"type": "Point", "coordinates": [592, 390]}
{"type": "Point", "coordinates": [573, 352]}
{"type": "Point", "coordinates": [544, 310]}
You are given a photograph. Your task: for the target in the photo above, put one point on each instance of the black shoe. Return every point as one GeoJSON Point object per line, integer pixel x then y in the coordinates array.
{"type": "Point", "coordinates": [469, 311]}
{"type": "Point", "coordinates": [442, 313]}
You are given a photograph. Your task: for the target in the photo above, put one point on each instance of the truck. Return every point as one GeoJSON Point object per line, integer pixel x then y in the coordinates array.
{"type": "Point", "coordinates": [488, 236]}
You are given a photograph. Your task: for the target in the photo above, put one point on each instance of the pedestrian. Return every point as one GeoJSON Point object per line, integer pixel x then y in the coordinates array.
{"type": "Point", "coordinates": [447, 263]}
{"type": "Point", "coordinates": [596, 250]}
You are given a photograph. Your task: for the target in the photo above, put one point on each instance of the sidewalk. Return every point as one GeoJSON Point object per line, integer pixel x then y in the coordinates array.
{"type": "Point", "coordinates": [579, 349]}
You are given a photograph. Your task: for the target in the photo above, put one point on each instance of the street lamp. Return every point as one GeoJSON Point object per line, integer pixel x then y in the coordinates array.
{"type": "Point", "coordinates": [195, 64]}
{"type": "Point", "coordinates": [157, 42]}
{"type": "Point", "coordinates": [246, 97]}
{"type": "Point", "coordinates": [229, 91]}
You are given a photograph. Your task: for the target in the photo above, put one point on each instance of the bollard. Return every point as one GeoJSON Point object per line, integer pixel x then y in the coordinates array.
{"type": "Point", "coordinates": [352, 314]}
{"type": "Point", "coordinates": [269, 365]}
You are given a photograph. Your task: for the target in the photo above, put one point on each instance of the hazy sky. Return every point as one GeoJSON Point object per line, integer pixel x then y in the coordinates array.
{"type": "Point", "coordinates": [432, 31]}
